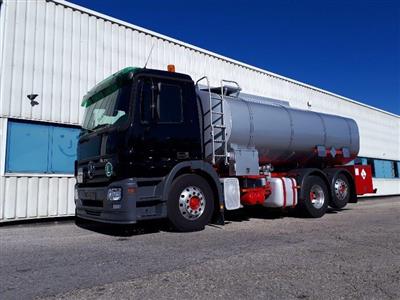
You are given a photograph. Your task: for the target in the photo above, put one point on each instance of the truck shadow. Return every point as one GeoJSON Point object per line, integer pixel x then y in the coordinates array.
{"type": "Point", "coordinates": [336, 211]}
{"type": "Point", "coordinates": [151, 227]}
{"type": "Point", "coordinates": [259, 212]}
{"type": "Point", "coordinates": [122, 231]}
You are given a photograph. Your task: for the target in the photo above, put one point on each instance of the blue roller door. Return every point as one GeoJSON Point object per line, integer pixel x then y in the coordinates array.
{"type": "Point", "coordinates": [40, 148]}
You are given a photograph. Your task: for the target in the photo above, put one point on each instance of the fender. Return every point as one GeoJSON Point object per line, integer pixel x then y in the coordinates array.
{"type": "Point", "coordinates": [301, 174]}
{"type": "Point", "coordinates": [332, 173]}
{"type": "Point", "coordinates": [204, 168]}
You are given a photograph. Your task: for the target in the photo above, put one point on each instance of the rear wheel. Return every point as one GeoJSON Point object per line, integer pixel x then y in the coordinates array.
{"type": "Point", "coordinates": [340, 192]}
{"type": "Point", "coordinates": [315, 198]}
{"type": "Point", "coordinates": [190, 203]}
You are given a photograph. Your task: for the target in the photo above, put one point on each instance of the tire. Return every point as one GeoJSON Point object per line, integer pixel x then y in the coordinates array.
{"type": "Point", "coordinates": [340, 192]}
{"type": "Point", "coordinates": [314, 202]}
{"type": "Point", "coordinates": [190, 203]}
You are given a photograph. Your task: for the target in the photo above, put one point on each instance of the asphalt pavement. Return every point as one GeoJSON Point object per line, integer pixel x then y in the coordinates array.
{"type": "Point", "coordinates": [354, 253]}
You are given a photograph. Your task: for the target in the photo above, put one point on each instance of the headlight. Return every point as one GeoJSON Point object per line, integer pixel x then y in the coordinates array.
{"type": "Point", "coordinates": [79, 175]}
{"type": "Point", "coordinates": [114, 194]}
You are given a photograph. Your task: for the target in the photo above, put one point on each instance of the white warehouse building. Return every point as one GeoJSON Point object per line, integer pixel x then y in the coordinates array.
{"type": "Point", "coordinates": [58, 51]}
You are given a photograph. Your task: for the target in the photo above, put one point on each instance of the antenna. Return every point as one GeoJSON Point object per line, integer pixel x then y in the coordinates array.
{"type": "Point", "coordinates": [148, 57]}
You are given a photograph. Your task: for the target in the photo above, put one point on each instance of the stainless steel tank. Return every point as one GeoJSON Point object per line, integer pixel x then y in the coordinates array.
{"type": "Point", "coordinates": [283, 135]}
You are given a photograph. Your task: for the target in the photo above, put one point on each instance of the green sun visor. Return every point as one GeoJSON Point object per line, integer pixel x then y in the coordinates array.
{"type": "Point", "coordinates": [108, 86]}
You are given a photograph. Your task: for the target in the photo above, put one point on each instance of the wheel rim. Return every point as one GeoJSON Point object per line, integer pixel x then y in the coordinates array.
{"type": "Point", "coordinates": [192, 203]}
{"type": "Point", "coordinates": [317, 196]}
{"type": "Point", "coordinates": [341, 189]}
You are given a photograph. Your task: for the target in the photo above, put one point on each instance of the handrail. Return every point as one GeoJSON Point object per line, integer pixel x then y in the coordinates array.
{"type": "Point", "coordinates": [229, 81]}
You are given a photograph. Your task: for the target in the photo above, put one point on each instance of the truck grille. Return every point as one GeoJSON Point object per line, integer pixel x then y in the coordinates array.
{"type": "Point", "coordinates": [94, 172]}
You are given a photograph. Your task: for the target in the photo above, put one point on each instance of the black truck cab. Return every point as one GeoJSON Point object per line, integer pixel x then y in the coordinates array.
{"type": "Point", "coordinates": [141, 127]}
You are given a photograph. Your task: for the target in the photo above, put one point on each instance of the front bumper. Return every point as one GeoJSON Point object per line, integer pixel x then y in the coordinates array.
{"type": "Point", "coordinates": [138, 202]}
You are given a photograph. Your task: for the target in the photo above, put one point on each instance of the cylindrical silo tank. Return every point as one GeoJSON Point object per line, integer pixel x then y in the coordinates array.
{"type": "Point", "coordinates": [283, 135]}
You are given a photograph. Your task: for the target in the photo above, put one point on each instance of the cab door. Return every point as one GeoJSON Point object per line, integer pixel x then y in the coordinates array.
{"type": "Point", "coordinates": [169, 129]}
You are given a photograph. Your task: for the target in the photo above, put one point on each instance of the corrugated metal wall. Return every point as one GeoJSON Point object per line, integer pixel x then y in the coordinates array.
{"type": "Point", "coordinates": [33, 196]}
{"type": "Point", "coordinates": [36, 197]}
{"type": "Point", "coordinates": [59, 50]}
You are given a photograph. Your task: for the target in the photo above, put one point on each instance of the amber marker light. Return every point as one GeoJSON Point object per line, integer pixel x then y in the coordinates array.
{"type": "Point", "coordinates": [171, 68]}
{"type": "Point", "coordinates": [131, 190]}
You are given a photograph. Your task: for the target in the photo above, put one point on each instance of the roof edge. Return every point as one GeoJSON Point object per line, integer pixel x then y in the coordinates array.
{"type": "Point", "coordinates": [178, 42]}
{"type": "Point", "coordinates": [108, 85]}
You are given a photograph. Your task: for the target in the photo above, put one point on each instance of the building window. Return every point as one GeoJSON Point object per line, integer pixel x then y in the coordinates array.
{"type": "Point", "coordinates": [384, 168]}
{"type": "Point", "coordinates": [40, 148]}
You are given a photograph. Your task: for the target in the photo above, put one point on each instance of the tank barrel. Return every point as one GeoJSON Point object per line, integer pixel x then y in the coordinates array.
{"type": "Point", "coordinates": [281, 135]}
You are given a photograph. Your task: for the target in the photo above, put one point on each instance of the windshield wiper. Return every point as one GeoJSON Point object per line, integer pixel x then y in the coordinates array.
{"type": "Point", "coordinates": [99, 126]}
{"type": "Point", "coordinates": [96, 127]}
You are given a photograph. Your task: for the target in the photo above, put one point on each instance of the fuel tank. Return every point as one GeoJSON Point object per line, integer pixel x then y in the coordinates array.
{"type": "Point", "coordinates": [279, 134]}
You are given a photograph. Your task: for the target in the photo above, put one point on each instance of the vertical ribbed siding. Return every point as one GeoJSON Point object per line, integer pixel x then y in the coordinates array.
{"type": "Point", "coordinates": [36, 197]}
{"type": "Point", "coordinates": [59, 52]}
{"type": "Point", "coordinates": [32, 196]}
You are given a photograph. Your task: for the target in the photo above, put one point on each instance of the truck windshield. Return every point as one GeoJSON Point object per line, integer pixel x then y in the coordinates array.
{"type": "Point", "coordinates": [110, 110]}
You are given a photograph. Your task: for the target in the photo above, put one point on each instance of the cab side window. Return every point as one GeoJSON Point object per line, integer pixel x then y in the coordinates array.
{"type": "Point", "coordinates": [160, 101]}
{"type": "Point", "coordinates": [169, 103]}
{"type": "Point", "coordinates": [146, 100]}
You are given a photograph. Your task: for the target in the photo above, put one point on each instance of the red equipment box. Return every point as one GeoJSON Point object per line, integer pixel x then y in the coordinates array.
{"type": "Point", "coordinates": [362, 177]}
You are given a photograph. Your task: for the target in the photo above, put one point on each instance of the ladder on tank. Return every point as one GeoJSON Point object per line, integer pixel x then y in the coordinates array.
{"type": "Point", "coordinates": [217, 121]}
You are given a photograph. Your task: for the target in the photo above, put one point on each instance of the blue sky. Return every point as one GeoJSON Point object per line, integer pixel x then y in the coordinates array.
{"type": "Point", "coordinates": [351, 48]}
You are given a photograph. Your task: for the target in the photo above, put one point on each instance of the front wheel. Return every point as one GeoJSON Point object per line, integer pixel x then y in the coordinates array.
{"type": "Point", "coordinates": [190, 203]}
{"type": "Point", "coordinates": [314, 202]}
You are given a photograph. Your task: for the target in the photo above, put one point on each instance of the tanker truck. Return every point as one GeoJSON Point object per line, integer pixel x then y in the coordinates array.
{"type": "Point", "coordinates": [155, 144]}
